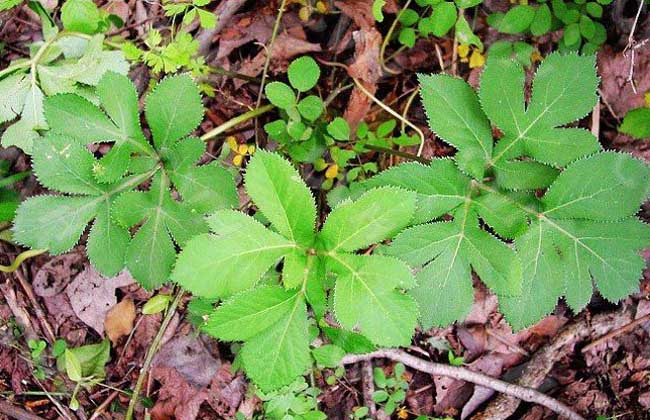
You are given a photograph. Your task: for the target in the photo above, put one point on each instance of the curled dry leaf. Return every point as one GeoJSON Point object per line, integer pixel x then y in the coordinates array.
{"type": "Point", "coordinates": [119, 320]}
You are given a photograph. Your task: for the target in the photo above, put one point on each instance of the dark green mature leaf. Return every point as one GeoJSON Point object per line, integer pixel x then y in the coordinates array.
{"type": "Point", "coordinates": [99, 189]}
{"type": "Point", "coordinates": [57, 222]}
{"type": "Point", "coordinates": [586, 231]}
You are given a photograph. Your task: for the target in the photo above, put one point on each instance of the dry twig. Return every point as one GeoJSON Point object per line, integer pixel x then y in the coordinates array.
{"type": "Point", "coordinates": [439, 369]}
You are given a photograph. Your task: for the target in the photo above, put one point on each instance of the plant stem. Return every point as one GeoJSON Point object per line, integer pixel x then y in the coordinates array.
{"type": "Point", "coordinates": [153, 349]}
{"type": "Point", "coordinates": [392, 112]}
{"type": "Point", "coordinates": [397, 153]}
{"type": "Point", "coordinates": [389, 35]}
{"type": "Point", "coordinates": [14, 67]}
{"type": "Point", "coordinates": [20, 258]}
{"type": "Point", "coordinates": [269, 54]}
{"type": "Point", "coordinates": [236, 121]}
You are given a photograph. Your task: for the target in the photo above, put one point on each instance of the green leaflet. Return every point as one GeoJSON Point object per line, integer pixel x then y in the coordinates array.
{"type": "Point", "coordinates": [448, 251]}
{"type": "Point", "coordinates": [366, 297]}
{"type": "Point", "coordinates": [563, 90]}
{"type": "Point", "coordinates": [456, 116]}
{"type": "Point", "coordinates": [283, 197]}
{"type": "Point", "coordinates": [69, 65]}
{"type": "Point", "coordinates": [272, 320]}
{"type": "Point", "coordinates": [378, 214]}
{"type": "Point", "coordinates": [586, 231]}
{"type": "Point", "coordinates": [57, 222]}
{"type": "Point", "coordinates": [100, 189]}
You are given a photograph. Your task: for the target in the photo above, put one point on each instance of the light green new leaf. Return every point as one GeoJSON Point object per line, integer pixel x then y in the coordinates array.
{"type": "Point", "coordinates": [377, 215]}
{"type": "Point", "coordinates": [636, 123]}
{"type": "Point", "coordinates": [80, 16]}
{"type": "Point", "coordinates": [456, 116]}
{"type": "Point", "coordinates": [303, 73]}
{"type": "Point", "coordinates": [280, 95]}
{"type": "Point", "coordinates": [282, 196]}
{"type": "Point", "coordinates": [173, 110]}
{"type": "Point", "coordinates": [275, 357]}
{"type": "Point", "coordinates": [233, 259]}
{"type": "Point", "coordinates": [366, 297]}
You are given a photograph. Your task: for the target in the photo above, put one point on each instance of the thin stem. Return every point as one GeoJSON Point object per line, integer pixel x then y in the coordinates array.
{"type": "Point", "coordinates": [389, 35]}
{"type": "Point", "coordinates": [392, 112]}
{"type": "Point", "coordinates": [10, 69]}
{"type": "Point", "coordinates": [397, 153]}
{"type": "Point", "coordinates": [20, 258]}
{"type": "Point", "coordinates": [236, 121]}
{"type": "Point", "coordinates": [269, 54]}
{"type": "Point", "coordinates": [153, 349]}
{"type": "Point", "coordinates": [409, 102]}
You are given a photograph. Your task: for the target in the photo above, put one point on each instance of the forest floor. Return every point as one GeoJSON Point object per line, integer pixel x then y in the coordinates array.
{"type": "Point", "coordinates": [597, 362]}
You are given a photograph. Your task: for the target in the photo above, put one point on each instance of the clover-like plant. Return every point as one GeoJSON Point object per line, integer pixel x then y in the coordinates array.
{"type": "Point", "coordinates": [100, 190]}
{"type": "Point", "coordinates": [579, 21]}
{"type": "Point", "coordinates": [542, 214]}
{"type": "Point", "coordinates": [272, 319]}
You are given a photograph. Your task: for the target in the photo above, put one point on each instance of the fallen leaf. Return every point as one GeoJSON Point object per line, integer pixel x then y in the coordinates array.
{"type": "Point", "coordinates": [119, 320]}
{"type": "Point", "coordinates": [360, 11]}
{"type": "Point", "coordinates": [189, 356]}
{"type": "Point", "coordinates": [367, 70]}
{"type": "Point", "coordinates": [614, 68]}
{"type": "Point", "coordinates": [92, 295]}
{"type": "Point", "coordinates": [55, 275]}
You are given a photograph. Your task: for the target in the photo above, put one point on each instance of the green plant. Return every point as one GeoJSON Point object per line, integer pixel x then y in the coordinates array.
{"type": "Point", "coordinates": [297, 401]}
{"type": "Point", "coordinates": [578, 19]}
{"type": "Point", "coordinates": [36, 348]}
{"type": "Point", "coordinates": [636, 122]}
{"type": "Point", "coordinates": [65, 62]}
{"type": "Point", "coordinates": [455, 360]}
{"type": "Point", "coordinates": [582, 229]}
{"type": "Point", "coordinates": [85, 366]}
{"type": "Point", "coordinates": [272, 319]}
{"type": "Point", "coordinates": [101, 189]}
{"type": "Point", "coordinates": [444, 16]}
{"type": "Point", "coordinates": [9, 199]}
{"type": "Point", "coordinates": [178, 53]}
{"type": "Point", "coordinates": [191, 10]}
{"type": "Point", "coordinates": [520, 51]}
{"type": "Point", "coordinates": [305, 134]}
{"type": "Point", "coordinates": [391, 390]}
